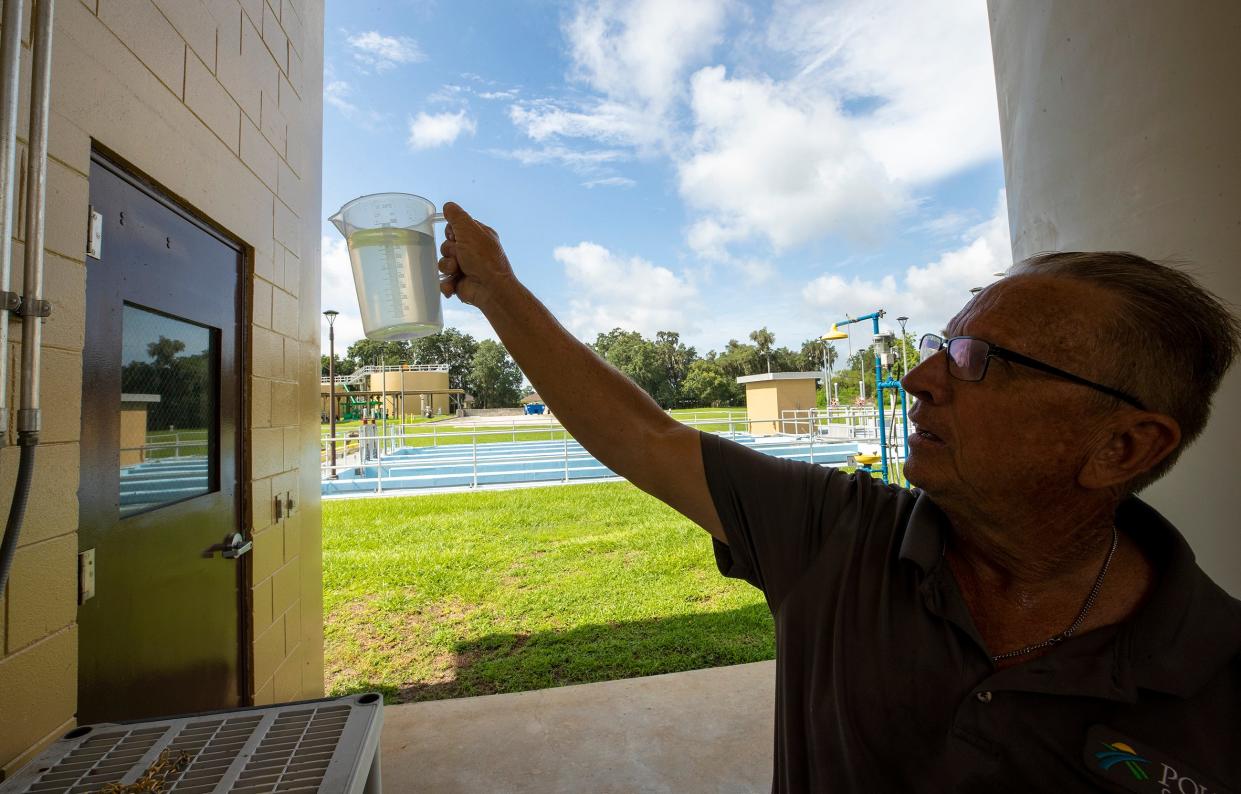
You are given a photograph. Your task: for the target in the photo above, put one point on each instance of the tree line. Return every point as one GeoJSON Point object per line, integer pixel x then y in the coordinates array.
{"type": "Point", "coordinates": [482, 369]}
{"type": "Point", "coordinates": [674, 374]}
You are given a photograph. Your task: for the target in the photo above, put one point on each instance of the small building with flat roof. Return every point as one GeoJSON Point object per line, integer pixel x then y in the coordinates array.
{"type": "Point", "coordinates": [768, 395]}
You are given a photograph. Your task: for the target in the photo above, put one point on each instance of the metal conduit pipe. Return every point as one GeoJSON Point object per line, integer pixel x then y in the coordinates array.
{"type": "Point", "coordinates": [33, 307]}
{"type": "Point", "coordinates": [10, 73]}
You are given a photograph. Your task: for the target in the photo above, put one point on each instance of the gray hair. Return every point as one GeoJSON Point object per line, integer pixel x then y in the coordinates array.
{"type": "Point", "coordinates": [1169, 344]}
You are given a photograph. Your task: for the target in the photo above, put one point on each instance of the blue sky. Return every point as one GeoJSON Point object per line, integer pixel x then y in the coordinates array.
{"type": "Point", "coordinates": [701, 166]}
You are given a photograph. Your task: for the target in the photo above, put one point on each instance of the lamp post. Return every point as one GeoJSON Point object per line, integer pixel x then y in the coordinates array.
{"type": "Point", "coordinates": [330, 314]}
{"type": "Point", "coordinates": [904, 346]}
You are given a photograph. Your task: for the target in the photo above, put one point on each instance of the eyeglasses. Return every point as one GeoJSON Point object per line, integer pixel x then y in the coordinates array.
{"type": "Point", "coordinates": [968, 358]}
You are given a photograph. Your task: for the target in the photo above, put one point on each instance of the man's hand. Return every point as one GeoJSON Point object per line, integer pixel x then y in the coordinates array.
{"type": "Point", "coordinates": [473, 261]}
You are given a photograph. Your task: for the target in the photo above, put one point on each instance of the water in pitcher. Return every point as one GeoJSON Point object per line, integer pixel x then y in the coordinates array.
{"type": "Point", "coordinates": [398, 286]}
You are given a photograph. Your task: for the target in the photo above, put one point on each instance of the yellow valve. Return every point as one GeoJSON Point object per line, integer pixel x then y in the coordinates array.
{"type": "Point", "coordinates": [866, 460]}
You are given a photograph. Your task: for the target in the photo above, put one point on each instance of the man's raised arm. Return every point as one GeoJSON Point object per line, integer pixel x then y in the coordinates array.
{"type": "Point", "coordinates": [606, 412]}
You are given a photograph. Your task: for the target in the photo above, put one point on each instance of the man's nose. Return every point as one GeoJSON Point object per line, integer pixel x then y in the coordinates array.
{"type": "Point", "coordinates": [929, 380]}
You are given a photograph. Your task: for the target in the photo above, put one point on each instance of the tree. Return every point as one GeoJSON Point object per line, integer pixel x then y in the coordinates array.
{"type": "Point", "coordinates": [451, 347]}
{"type": "Point", "coordinates": [366, 352]}
{"type": "Point", "coordinates": [739, 359]}
{"type": "Point", "coordinates": [182, 381]}
{"type": "Point", "coordinates": [676, 359]}
{"type": "Point", "coordinates": [164, 352]}
{"type": "Point", "coordinates": [906, 349]}
{"type": "Point", "coordinates": [763, 340]}
{"type": "Point", "coordinates": [812, 354]}
{"type": "Point", "coordinates": [495, 378]}
{"type": "Point", "coordinates": [636, 357]}
{"type": "Point", "coordinates": [784, 360]}
{"type": "Point", "coordinates": [706, 384]}
{"type": "Point", "coordinates": [344, 366]}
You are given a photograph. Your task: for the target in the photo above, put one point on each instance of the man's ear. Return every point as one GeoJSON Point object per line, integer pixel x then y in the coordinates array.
{"type": "Point", "coordinates": [1133, 445]}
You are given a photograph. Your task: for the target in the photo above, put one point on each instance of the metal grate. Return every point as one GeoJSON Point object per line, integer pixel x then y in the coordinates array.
{"type": "Point", "coordinates": [329, 745]}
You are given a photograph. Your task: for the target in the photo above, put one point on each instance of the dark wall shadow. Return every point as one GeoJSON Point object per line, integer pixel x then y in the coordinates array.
{"type": "Point", "coordinates": [507, 662]}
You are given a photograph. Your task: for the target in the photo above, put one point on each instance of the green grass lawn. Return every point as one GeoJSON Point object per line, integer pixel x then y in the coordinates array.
{"type": "Point", "coordinates": [449, 595]}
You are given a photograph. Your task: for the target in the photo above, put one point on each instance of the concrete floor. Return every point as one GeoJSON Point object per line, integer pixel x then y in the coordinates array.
{"type": "Point", "coordinates": [705, 730]}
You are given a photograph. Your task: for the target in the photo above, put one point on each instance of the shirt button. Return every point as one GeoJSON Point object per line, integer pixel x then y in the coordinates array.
{"type": "Point", "coordinates": [984, 697]}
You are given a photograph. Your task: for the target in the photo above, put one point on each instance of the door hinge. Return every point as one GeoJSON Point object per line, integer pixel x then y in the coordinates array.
{"type": "Point", "coordinates": [86, 576]}
{"type": "Point", "coordinates": [94, 234]}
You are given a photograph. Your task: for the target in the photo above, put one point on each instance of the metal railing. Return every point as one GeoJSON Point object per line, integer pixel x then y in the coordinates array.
{"type": "Point", "coordinates": [375, 461]}
{"type": "Point", "coordinates": [358, 374]}
{"type": "Point", "coordinates": [178, 446]}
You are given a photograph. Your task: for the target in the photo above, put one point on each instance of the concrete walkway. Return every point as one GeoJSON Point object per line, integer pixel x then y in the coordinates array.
{"type": "Point", "coordinates": [701, 731]}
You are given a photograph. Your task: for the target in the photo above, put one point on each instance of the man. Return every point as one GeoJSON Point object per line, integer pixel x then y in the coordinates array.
{"type": "Point", "coordinates": [1020, 622]}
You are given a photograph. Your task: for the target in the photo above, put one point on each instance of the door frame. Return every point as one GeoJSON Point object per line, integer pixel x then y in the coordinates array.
{"type": "Point", "coordinates": [243, 508]}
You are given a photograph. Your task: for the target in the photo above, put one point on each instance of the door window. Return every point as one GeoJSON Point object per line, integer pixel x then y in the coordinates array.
{"type": "Point", "coordinates": [169, 448]}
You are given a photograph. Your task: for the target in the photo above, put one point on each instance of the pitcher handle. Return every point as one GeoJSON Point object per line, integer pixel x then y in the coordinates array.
{"type": "Point", "coordinates": [438, 217]}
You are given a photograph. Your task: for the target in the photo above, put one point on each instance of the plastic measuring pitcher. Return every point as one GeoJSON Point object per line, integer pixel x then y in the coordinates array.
{"type": "Point", "coordinates": [392, 248]}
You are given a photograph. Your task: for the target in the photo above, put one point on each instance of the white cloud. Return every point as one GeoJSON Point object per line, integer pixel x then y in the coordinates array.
{"type": "Point", "coordinates": [336, 282]}
{"type": "Point", "coordinates": [337, 92]}
{"type": "Point", "coordinates": [950, 223]}
{"type": "Point", "coordinates": [467, 320]}
{"type": "Point", "coordinates": [611, 291]}
{"type": "Point", "coordinates": [610, 181]}
{"type": "Point", "coordinates": [865, 103]}
{"type": "Point", "coordinates": [427, 131]}
{"type": "Point", "coordinates": [508, 93]}
{"type": "Point", "coordinates": [928, 65]}
{"type": "Point", "coordinates": [771, 161]}
{"type": "Point", "coordinates": [383, 53]}
{"type": "Point", "coordinates": [606, 121]}
{"type": "Point", "coordinates": [928, 294]}
{"type": "Point", "coordinates": [585, 162]}
{"type": "Point", "coordinates": [634, 54]}
{"type": "Point", "coordinates": [639, 51]}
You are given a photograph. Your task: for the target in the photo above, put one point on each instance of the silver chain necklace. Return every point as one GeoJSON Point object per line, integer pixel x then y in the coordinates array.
{"type": "Point", "coordinates": [1077, 623]}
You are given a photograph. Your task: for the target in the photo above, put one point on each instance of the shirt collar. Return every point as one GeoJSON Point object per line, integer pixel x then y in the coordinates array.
{"type": "Point", "coordinates": [1189, 627]}
{"type": "Point", "coordinates": [925, 533]}
{"type": "Point", "coordinates": [1184, 633]}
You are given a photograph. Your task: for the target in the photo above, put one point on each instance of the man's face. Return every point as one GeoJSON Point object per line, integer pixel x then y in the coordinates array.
{"type": "Point", "coordinates": [1018, 435]}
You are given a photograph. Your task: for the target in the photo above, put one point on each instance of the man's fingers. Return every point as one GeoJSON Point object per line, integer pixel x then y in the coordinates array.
{"type": "Point", "coordinates": [449, 266]}
{"type": "Point", "coordinates": [449, 234]}
{"type": "Point", "coordinates": [458, 217]}
{"type": "Point", "coordinates": [448, 248]}
{"type": "Point", "coordinates": [466, 289]}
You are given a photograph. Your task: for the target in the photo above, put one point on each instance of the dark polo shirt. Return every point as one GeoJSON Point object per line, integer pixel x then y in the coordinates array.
{"type": "Point", "coordinates": [882, 681]}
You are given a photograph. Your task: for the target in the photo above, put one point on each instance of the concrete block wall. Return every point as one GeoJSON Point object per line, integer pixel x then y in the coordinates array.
{"type": "Point", "coordinates": [219, 102]}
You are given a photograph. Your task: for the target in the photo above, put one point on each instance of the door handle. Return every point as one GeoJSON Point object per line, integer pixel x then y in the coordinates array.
{"type": "Point", "coordinates": [232, 549]}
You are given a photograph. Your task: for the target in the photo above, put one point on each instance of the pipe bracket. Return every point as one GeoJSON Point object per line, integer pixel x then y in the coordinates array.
{"type": "Point", "coordinates": [34, 308]}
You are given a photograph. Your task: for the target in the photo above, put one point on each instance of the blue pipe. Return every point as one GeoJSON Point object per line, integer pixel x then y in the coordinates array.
{"type": "Point", "coordinates": [883, 432]}
{"type": "Point", "coordinates": [880, 386]}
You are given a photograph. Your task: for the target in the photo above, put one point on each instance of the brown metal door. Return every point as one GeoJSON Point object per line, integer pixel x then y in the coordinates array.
{"type": "Point", "coordinates": [159, 482]}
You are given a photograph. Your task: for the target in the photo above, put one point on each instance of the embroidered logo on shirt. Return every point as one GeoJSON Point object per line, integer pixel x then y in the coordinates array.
{"type": "Point", "coordinates": [1121, 753]}
{"type": "Point", "coordinates": [1136, 766]}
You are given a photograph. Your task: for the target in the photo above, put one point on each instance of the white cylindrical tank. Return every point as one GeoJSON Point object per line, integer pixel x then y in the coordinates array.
{"type": "Point", "coordinates": [1122, 130]}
